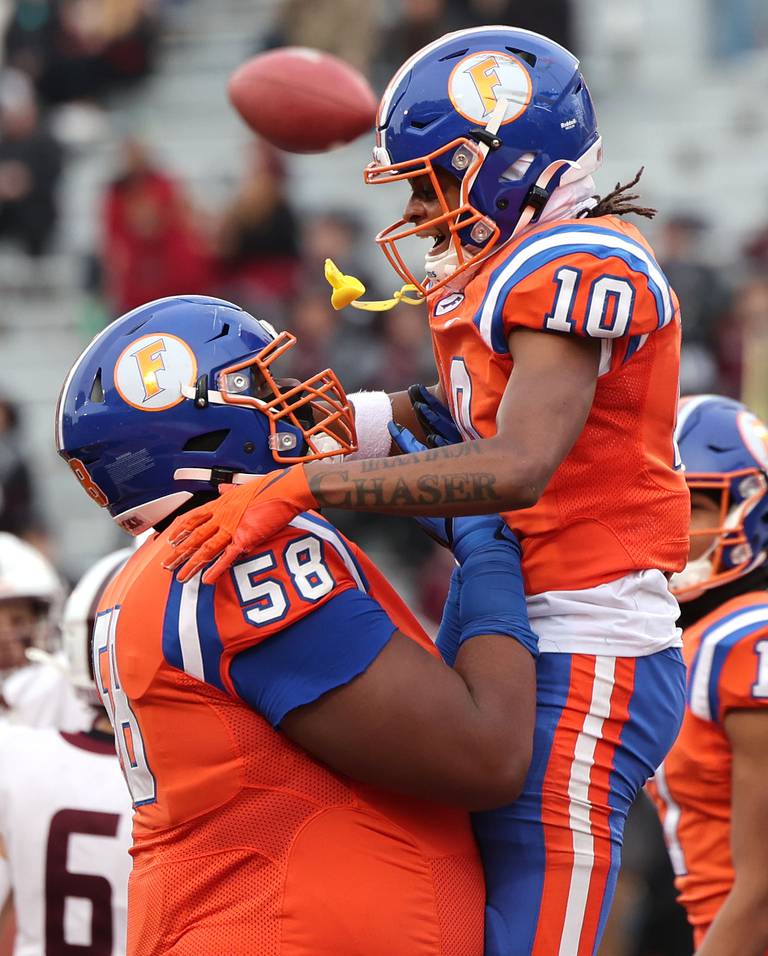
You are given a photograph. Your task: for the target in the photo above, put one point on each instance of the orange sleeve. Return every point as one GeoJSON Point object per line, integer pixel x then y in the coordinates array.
{"type": "Point", "coordinates": [584, 295]}
{"type": "Point", "coordinates": [584, 278]}
{"type": "Point", "coordinates": [743, 682]}
{"type": "Point", "coordinates": [276, 586]}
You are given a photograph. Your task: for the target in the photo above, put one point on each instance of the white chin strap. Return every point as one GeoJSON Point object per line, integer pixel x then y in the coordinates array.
{"type": "Point", "coordinates": [323, 443]}
{"type": "Point", "coordinates": [213, 397]}
{"type": "Point", "coordinates": [444, 264]}
{"type": "Point", "coordinates": [205, 474]}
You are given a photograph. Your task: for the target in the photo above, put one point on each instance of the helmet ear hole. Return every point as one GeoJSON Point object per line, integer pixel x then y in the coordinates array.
{"type": "Point", "coordinates": [519, 168]}
{"type": "Point", "coordinates": [454, 55]}
{"type": "Point", "coordinates": [425, 122]}
{"type": "Point", "coordinates": [530, 58]}
{"type": "Point", "coordinates": [97, 389]}
{"type": "Point", "coordinates": [209, 441]}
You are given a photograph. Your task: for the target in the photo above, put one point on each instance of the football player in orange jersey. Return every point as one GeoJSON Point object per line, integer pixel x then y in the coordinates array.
{"type": "Point", "coordinates": [557, 340]}
{"type": "Point", "coordinates": [286, 732]}
{"type": "Point", "coordinates": [712, 789]}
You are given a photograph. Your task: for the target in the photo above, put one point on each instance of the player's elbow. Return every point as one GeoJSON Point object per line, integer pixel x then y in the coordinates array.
{"type": "Point", "coordinates": [522, 489]}
{"type": "Point", "coordinates": [527, 495]}
{"type": "Point", "coordinates": [522, 483]}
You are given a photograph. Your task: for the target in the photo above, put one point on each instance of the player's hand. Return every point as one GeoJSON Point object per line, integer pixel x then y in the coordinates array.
{"type": "Point", "coordinates": [243, 517]}
{"type": "Point", "coordinates": [434, 418]}
{"type": "Point", "coordinates": [464, 536]}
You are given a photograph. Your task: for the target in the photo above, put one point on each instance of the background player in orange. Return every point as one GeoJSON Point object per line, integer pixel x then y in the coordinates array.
{"type": "Point", "coordinates": [557, 340]}
{"type": "Point", "coordinates": [712, 789]}
{"type": "Point", "coordinates": [264, 724]}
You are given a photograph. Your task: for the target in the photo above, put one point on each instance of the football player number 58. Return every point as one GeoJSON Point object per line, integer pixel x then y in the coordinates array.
{"type": "Point", "coordinates": [265, 599]}
{"type": "Point", "coordinates": [130, 744]}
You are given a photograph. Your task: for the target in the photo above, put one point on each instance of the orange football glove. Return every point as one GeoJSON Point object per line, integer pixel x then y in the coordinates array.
{"type": "Point", "coordinates": [243, 517]}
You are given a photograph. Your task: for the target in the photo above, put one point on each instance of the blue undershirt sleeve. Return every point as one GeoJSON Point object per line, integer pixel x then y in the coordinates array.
{"type": "Point", "coordinates": [326, 649]}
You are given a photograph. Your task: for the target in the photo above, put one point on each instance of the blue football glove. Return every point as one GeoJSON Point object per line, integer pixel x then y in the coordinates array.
{"type": "Point", "coordinates": [434, 418]}
{"type": "Point", "coordinates": [486, 594]}
{"type": "Point", "coordinates": [492, 597]}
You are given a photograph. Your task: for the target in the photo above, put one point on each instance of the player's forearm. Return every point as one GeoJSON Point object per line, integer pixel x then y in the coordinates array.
{"type": "Point", "coordinates": [403, 414]}
{"type": "Point", "coordinates": [741, 926]}
{"type": "Point", "coordinates": [478, 477]}
{"type": "Point", "coordinates": [461, 737]}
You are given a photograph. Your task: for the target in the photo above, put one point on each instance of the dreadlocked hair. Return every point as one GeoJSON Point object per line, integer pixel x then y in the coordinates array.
{"type": "Point", "coordinates": [620, 202]}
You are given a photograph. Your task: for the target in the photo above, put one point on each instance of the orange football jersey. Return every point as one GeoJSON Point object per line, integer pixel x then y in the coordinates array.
{"type": "Point", "coordinates": [243, 843]}
{"type": "Point", "coordinates": [726, 653]}
{"type": "Point", "coordinates": [594, 277]}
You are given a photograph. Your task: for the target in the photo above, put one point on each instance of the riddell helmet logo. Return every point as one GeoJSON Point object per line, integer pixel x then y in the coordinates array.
{"type": "Point", "coordinates": [480, 80]}
{"type": "Point", "coordinates": [150, 372]}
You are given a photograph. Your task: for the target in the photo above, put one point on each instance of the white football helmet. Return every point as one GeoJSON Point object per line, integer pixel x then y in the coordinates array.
{"type": "Point", "coordinates": [31, 596]}
{"type": "Point", "coordinates": [78, 618]}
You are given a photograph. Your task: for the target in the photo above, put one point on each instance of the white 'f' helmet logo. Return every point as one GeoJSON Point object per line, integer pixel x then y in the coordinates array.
{"type": "Point", "coordinates": [151, 371]}
{"type": "Point", "coordinates": [480, 80]}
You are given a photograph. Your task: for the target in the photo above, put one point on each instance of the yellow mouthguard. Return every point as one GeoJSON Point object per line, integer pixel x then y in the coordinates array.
{"type": "Point", "coordinates": [347, 290]}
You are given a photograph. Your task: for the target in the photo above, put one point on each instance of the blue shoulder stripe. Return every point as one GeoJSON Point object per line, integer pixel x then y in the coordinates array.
{"type": "Point", "coordinates": [552, 244]}
{"type": "Point", "coordinates": [191, 642]}
{"type": "Point", "coordinates": [715, 645]}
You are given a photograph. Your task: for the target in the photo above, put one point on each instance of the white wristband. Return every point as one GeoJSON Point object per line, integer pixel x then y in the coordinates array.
{"type": "Point", "coordinates": [373, 412]}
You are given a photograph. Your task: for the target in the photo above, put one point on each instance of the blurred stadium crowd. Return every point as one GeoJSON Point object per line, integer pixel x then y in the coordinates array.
{"type": "Point", "coordinates": [124, 176]}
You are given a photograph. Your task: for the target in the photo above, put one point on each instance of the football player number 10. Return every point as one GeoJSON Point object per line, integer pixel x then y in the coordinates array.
{"type": "Point", "coordinates": [609, 306]}
{"type": "Point", "coordinates": [130, 745]}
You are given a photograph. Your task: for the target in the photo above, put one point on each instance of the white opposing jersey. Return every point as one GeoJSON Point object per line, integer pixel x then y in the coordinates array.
{"type": "Point", "coordinates": [42, 695]}
{"type": "Point", "coordinates": [65, 821]}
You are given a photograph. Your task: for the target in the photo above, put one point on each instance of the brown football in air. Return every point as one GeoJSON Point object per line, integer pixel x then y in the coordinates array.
{"type": "Point", "coordinates": [302, 100]}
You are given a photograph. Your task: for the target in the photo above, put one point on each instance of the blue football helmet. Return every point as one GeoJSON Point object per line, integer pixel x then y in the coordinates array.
{"type": "Point", "coordinates": [504, 111]}
{"type": "Point", "coordinates": [724, 449]}
{"type": "Point", "coordinates": [179, 396]}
